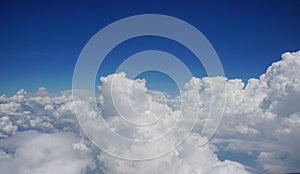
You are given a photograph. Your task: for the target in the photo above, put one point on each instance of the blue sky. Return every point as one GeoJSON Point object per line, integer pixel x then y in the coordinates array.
{"type": "Point", "coordinates": [41, 41]}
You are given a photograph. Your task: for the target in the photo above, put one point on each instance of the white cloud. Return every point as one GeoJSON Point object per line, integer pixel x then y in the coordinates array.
{"type": "Point", "coordinates": [261, 118]}
{"type": "Point", "coordinates": [190, 157]}
{"type": "Point", "coordinates": [34, 152]}
{"type": "Point", "coordinates": [9, 108]}
{"type": "Point", "coordinates": [6, 127]}
{"type": "Point", "coordinates": [265, 112]}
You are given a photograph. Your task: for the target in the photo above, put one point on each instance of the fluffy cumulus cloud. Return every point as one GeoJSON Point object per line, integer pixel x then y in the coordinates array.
{"type": "Point", "coordinates": [259, 132]}
{"type": "Point", "coordinates": [6, 127]}
{"type": "Point", "coordinates": [262, 116]}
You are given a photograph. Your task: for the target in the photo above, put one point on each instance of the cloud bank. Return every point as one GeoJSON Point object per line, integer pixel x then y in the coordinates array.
{"type": "Point", "coordinates": [259, 132]}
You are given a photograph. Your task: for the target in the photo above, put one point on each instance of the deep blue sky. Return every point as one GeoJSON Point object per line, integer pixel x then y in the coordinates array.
{"type": "Point", "coordinates": [40, 40]}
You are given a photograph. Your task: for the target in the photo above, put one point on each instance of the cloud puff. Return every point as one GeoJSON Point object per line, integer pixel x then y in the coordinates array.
{"type": "Point", "coordinates": [6, 127]}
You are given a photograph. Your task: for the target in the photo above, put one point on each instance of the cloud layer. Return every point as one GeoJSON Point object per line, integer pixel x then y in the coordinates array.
{"type": "Point", "coordinates": [260, 129]}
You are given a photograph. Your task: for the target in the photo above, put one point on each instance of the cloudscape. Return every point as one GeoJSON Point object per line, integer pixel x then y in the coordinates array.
{"type": "Point", "coordinates": [150, 87]}
{"type": "Point", "coordinates": [259, 130]}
